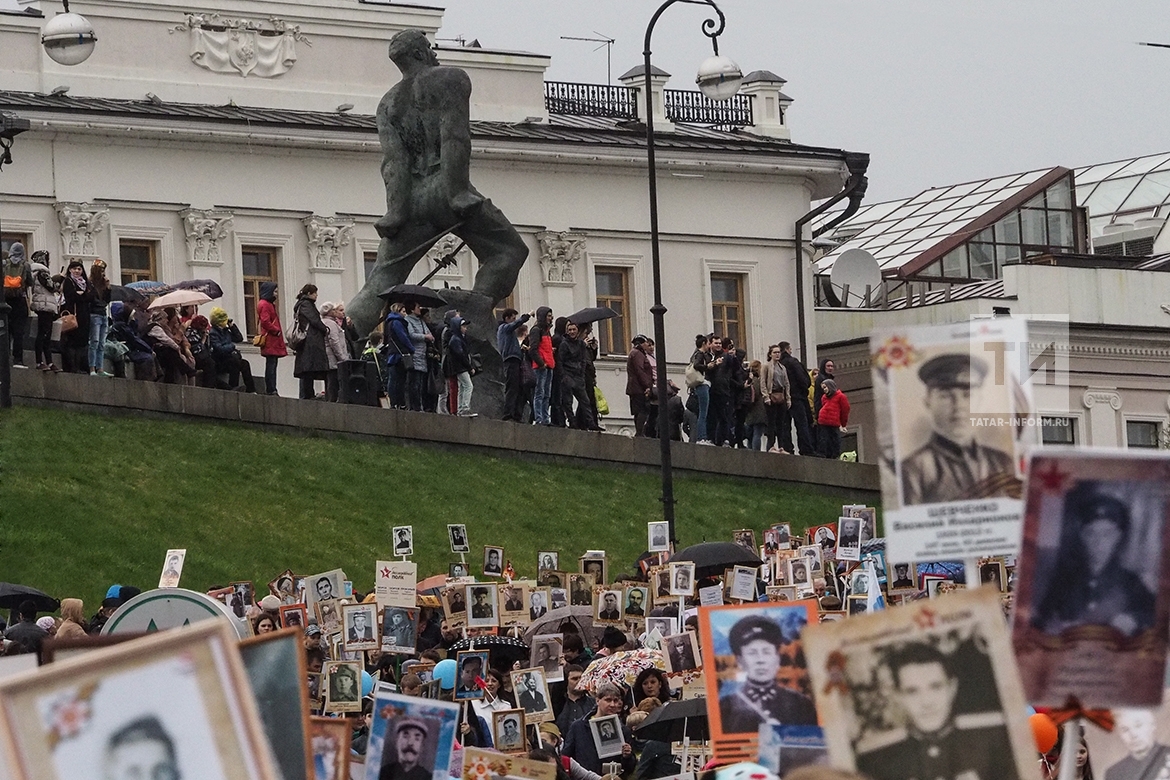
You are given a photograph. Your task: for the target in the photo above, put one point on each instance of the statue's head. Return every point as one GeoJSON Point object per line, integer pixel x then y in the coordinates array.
{"type": "Point", "coordinates": [410, 48]}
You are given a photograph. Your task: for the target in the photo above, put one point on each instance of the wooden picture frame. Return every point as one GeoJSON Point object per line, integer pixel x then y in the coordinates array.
{"type": "Point", "coordinates": [294, 616]}
{"type": "Point", "coordinates": [329, 745]}
{"type": "Point", "coordinates": [276, 668]}
{"type": "Point", "coordinates": [530, 699]}
{"type": "Point", "coordinates": [506, 743]}
{"type": "Point", "coordinates": [597, 565]}
{"type": "Point", "coordinates": [341, 697]}
{"type": "Point", "coordinates": [353, 637]}
{"type": "Point", "coordinates": [186, 686]}
{"type": "Point", "coordinates": [57, 649]}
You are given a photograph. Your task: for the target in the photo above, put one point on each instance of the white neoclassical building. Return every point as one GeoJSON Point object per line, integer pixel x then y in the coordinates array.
{"type": "Point", "coordinates": [235, 141]}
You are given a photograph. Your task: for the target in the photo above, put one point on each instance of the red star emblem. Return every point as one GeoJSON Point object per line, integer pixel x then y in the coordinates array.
{"type": "Point", "coordinates": [385, 572]}
{"type": "Point", "coordinates": [925, 617]}
{"type": "Point", "coordinates": [1051, 478]}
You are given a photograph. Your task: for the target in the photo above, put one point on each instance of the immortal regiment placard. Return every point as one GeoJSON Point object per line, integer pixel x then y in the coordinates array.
{"type": "Point", "coordinates": [394, 583]}
{"type": "Point", "coordinates": [954, 414]}
{"type": "Point", "coordinates": [922, 691]}
{"type": "Point", "coordinates": [1093, 599]}
{"type": "Point", "coordinates": [410, 737]}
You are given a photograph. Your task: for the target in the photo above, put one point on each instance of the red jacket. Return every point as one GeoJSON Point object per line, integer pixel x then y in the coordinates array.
{"type": "Point", "coordinates": [274, 345]}
{"type": "Point", "coordinates": [834, 410]}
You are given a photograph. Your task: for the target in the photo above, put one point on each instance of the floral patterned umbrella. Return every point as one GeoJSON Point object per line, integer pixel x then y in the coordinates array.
{"type": "Point", "coordinates": [621, 668]}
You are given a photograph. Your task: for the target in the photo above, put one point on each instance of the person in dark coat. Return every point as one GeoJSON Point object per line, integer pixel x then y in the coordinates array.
{"type": "Point", "coordinates": [508, 346]}
{"type": "Point", "coordinates": [800, 382]}
{"type": "Point", "coordinates": [79, 296]}
{"type": "Point", "coordinates": [400, 351]}
{"type": "Point", "coordinates": [825, 371]}
{"type": "Point", "coordinates": [312, 362]}
{"type": "Point", "coordinates": [556, 406]}
{"type": "Point", "coordinates": [727, 377]}
{"type": "Point", "coordinates": [639, 381]}
{"type": "Point", "coordinates": [27, 633]}
{"type": "Point", "coordinates": [228, 361]}
{"type": "Point", "coordinates": [579, 744]}
{"type": "Point", "coordinates": [572, 359]}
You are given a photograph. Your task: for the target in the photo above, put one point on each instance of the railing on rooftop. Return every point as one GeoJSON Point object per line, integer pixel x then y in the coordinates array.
{"type": "Point", "coordinates": [603, 100]}
{"type": "Point", "coordinates": [688, 107]}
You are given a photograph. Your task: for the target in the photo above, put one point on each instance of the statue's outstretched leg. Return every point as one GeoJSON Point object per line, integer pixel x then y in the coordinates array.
{"type": "Point", "coordinates": [395, 262]}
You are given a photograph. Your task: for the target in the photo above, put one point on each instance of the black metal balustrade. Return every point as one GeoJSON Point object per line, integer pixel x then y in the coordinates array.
{"type": "Point", "coordinates": [603, 100]}
{"type": "Point", "coordinates": [690, 107]}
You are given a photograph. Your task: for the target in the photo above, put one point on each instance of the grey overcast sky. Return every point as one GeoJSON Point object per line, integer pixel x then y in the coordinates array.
{"type": "Point", "coordinates": [937, 91]}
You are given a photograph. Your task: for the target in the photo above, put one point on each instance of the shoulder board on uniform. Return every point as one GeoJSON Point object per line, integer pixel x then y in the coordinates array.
{"type": "Point", "coordinates": [978, 720]}
{"type": "Point", "coordinates": [881, 741]}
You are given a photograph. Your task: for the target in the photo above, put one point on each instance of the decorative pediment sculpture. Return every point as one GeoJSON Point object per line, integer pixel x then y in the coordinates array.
{"type": "Point", "coordinates": [80, 225]}
{"type": "Point", "coordinates": [327, 236]}
{"type": "Point", "coordinates": [205, 228]}
{"type": "Point", "coordinates": [247, 47]}
{"type": "Point", "coordinates": [437, 256]}
{"type": "Point", "coordinates": [559, 252]}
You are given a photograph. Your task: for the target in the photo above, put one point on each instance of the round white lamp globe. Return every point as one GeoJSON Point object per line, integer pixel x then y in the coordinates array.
{"type": "Point", "coordinates": [68, 38]}
{"type": "Point", "coordinates": [719, 78]}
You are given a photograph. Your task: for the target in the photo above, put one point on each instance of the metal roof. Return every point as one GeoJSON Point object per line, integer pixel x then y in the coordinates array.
{"type": "Point", "coordinates": [560, 129]}
{"type": "Point", "coordinates": [992, 288]}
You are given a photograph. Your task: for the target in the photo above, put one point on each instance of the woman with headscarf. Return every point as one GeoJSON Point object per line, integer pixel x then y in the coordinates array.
{"type": "Point", "coordinates": [99, 321]}
{"type": "Point", "coordinates": [170, 355]}
{"type": "Point", "coordinates": [333, 315]}
{"type": "Point", "coordinates": [73, 623]}
{"type": "Point", "coordinates": [272, 345]}
{"type": "Point", "coordinates": [228, 360]}
{"type": "Point", "coordinates": [312, 361]}
{"type": "Point", "coordinates": [79, 296]}
{"type": "Point", "coordinates": [198, 337]}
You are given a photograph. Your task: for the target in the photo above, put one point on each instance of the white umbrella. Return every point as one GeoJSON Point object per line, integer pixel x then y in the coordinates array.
{"type": "Point", "coordinates": [180, 298]}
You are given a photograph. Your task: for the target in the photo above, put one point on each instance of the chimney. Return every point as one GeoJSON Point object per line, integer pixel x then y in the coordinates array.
{"type": "Point", "coordinates": [769, 104]}
{"type": "Point", "coordinates": [635, 79]}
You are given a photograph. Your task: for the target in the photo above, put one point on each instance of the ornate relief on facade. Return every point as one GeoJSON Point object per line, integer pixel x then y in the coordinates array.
{"type": "Point", "coordinates": [447, 245]}
{"type": "Point", "coordinates": [1110, 398]}
{"type": "Point", "coordinates": [80, 224]}
{"type": "Point", "coordinates": [559, 252]}
{"type": "Point", "coordinates": [327, 236]}
{"type": "Point", "coordinates": [247, 47]}
{"type": "Point", "coordinates": [204, 229]}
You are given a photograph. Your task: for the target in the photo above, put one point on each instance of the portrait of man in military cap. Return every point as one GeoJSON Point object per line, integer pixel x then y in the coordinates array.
{"type": "Point", "coordinates": [404, 759]}
{"type": "Point", "coordinates": [954, 464]}
{"type": "Point", "coordinates": [755, 637]}
{"type": "Point", "coordinates": [936, 742]}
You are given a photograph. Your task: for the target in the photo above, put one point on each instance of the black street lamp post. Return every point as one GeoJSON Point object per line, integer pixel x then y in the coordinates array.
{"type": "Point", "coordinates": [719, 79]}
{"type": "Point", "coordinates": [10, 127]}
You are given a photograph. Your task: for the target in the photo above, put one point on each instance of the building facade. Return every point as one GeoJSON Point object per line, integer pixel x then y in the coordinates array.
{"type": "Point", "coordinates": [235, 141]}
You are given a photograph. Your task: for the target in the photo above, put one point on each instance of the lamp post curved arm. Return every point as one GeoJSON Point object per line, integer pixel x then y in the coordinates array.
{"type": "Point", "coordinates": [712, 28]}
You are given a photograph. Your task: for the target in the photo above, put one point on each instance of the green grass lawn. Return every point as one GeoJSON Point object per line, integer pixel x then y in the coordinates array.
{"type": "Point", "coordinates": [89, 500]}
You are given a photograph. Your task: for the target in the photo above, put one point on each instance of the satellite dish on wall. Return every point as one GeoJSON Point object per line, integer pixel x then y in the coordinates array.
{"type": "Point", "coordinates": [853, 272]}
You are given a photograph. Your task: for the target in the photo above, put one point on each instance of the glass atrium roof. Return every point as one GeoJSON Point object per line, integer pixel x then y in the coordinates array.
{"type": "Point", "coordinates": [1125, 191]}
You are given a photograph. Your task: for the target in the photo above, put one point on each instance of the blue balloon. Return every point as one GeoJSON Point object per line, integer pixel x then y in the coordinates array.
{"type": "Point", "coordinates": [367, 683]}
{"type": "Point", "coordinates": [445, 673]}
{"type": "Point", "coordinates": [1031, 711]}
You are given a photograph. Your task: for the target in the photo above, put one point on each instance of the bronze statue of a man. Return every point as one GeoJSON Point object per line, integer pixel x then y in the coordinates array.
{"type": "Point", "coordinates": [424, 129]}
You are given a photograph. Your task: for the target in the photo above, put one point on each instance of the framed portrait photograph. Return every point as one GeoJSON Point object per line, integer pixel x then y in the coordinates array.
{"type": "Point", "coordinates": [826, 537]}
{"type": "Point", "coordinates": [901, 577]}
{"type": "Point", "coordinates": [342, 681]}
{"type": "Point", "coordinates": [666, 626]}
{"type": "Point", "coordinates": [581, 590]}
{"type": "Point", "coordinates": [361, 626]}
{"type": "Point", "coordinates": [324, 587]}
{"type": "Point", "coordinates": [681, 652]}
{"type": "Point", "coordinates": [598, 566]}
{"type": "Point", "coordinates": [951, 694]}
{"type": "Point", "coordinates": [243, 595]}
{"type": "Point", "coordinates": [316, 693]}
{"type": "Point", "coordinates": [859, 581]}
{"type": "Point", "coordinates": [284, 587]}
{"type": "Point", "coordinates": [784, 534]}
{"type": "Point", "coordinates": [849, 539]}
{"type": "Point", "coordinates": [455, 604]}
{"type": "Point", "coordinates": [934, 585]}
{"type": "Point", "coordinates": [1138, 743]}
{"type": "Point", "coordinates": [457, 536]}
{"type": "Point", "coordinates": [512, 610]}
{"type": "Point", "coordinates": [328, 616]}
{"type": "Point", "coordinates": [660, 577]}
{"type": "Point", "coordinates": [608, 606]}
{"type": "Point", "coordinates": [457, 570]}
{"type": "Point", "coordinates": [329, 743]}
{"type": "Point", "coordinates": [771, 541]}
{"type": "Point", "coordinates": [637, 599]}
{"type": "Point", "coordinates": [1092, 601]}
{"type": "Point", "coordinates": [483, 611]}
{"type": "Point", "coordinates": [742, 583]}
{"type": "Point", "coordinates": [814, 557]}
{"type": "Point", "coordinates": [399, 630]}
{"type": "Point", "coordinates": [538, 600]}
{"type": "Point", "coordinates": [756, 676]}
{"type": "Point", "coordinates": [471, 665]}
{"type": "Point", "coordinates": [993, 574]}
{"type": "Point", "coordinates": [546, 655]}
{"type": "Point", "coordinates": [275, 665]}
{"type": "Point", "coordinates": [172, 569]}
{"type": "Point", "coordinates": [657, 536]}
{"type": "Point", "coordinates": [558, 598]}
{"type": "Point", "coordinates": [293, 616]}
{"type": "Point", "coordinates": [531, 691]}
{"type": "Point", "coordinates": [172, 704]}
{"type": "Point", "coordinates": [856, 605]}
{"type": "Point", "coordinates": [403, 538]}
{"type": "Point", "coordinates": [411, 737]}
{"type": "Point", "coordinates": [551, 578]}
{"type": "Point", "coordinates": [54, 648]}
{"type": "Point", "coordinates": [682, 578]}
{"type": "Point", "coordinates": [607, 735]}
{"type": "Point", "coordinates": [493, 561]}
{"type": "Point", "coordinates": [832, 616]}
{"type": "Point", "coordinates": [799, 575]}
{"type": "Point", "coordinates": [547, 560]}
{"type": "Point", "coordinates": [745, 538]}
{"type": "Point", "coordinates": [508, 731]}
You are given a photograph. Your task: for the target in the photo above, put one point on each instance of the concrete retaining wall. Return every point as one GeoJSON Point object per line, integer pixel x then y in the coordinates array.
{"type": "Point", "coordinates": [858, 482]}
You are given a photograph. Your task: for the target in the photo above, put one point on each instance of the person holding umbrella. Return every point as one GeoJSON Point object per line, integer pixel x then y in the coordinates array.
{"type": "Point", "coordinates": [272, 345]}
{"type": "Point", "coordinates": [572, 357]}
{"type": "Point", "coordinates": [312, 362]}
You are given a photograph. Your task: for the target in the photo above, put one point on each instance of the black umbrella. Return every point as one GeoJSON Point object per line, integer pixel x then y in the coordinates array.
{"type": "Point", "coordinates": [497, 645]}
{"type": "Point", "coordinates": [12, 596]}
{"type": "Point", "coordinates": [712, 558]}
{"type": "Point", "coordinates": [592, 314]}
{"type": "Point", "coordinates": [400, 293]}
{"type": "Point", "coordinates": [676, 719]}
{"type": "Point", "coordinates": [208, 287]}
{"type": "Point", "coordinates": [127, 294]}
